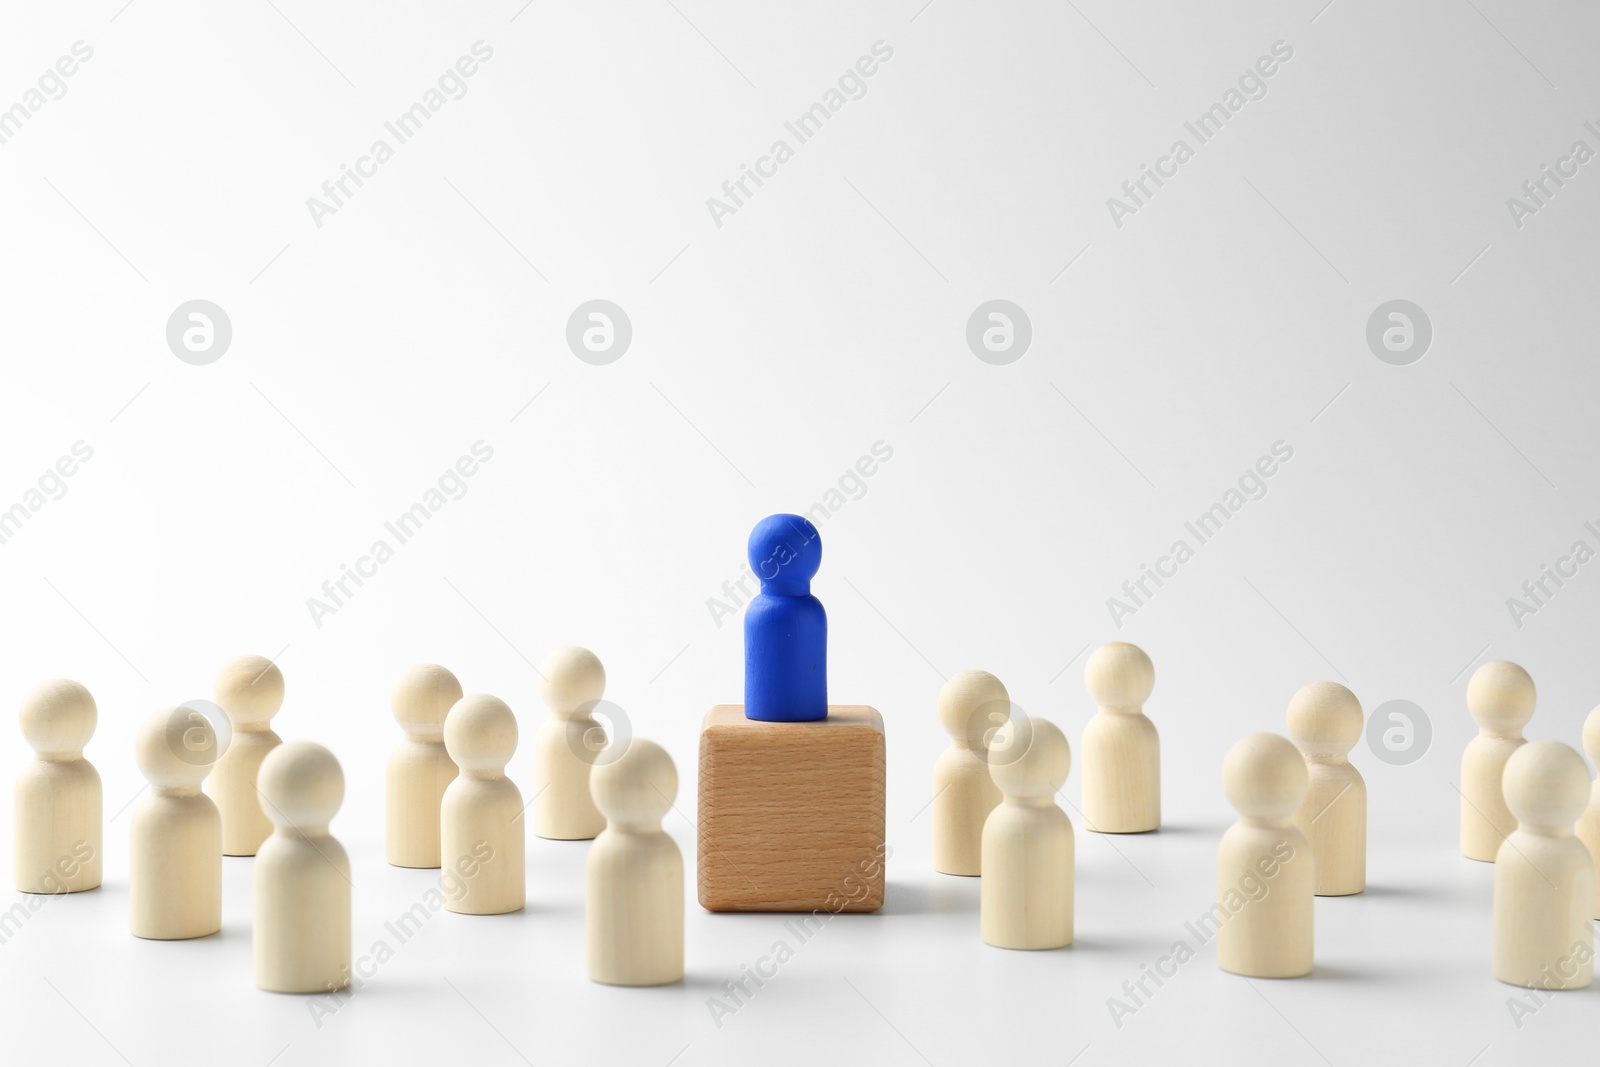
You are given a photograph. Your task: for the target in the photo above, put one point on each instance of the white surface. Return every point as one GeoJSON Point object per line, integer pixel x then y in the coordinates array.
{"type": "Point", "coordinates": [827, 314]}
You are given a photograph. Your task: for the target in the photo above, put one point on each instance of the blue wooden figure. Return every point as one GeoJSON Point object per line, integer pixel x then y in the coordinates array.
{"type": "Point", "coordinates": [785, 628]}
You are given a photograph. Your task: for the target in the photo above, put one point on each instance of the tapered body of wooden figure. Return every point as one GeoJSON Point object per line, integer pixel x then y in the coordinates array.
{"type": "Point", "coordinates": [57, 803]}
{"type": "Point", "coordinates": [1500, 697]}
{"type": "Point", "coordinates": [302, 875]}
{"type": "Point", "coordinates": [420, 769]}
{"type": "Point", "coordinates": [250, 690]}
{"type": "Point", "coordinates": [972, 706]}
{"type": "Point", "coordinates": [1121, 751]}
{"type": "Point", "coordinates": [1265, 866]}
{"type": "Point", "coordinates": [481, 831]}
{"type": "Point", "coordinates": [1325, 722]}
{"type": "Point", "coordinates": [175, 862]}
{"type": "Point", "coordinates": [1026, 900]}
{"type": "Point", "coordinates": [633, 895]}
{"type": "Point", "coordinates": [1544, 876]}
{"type": "Point", "coordinates": [567, 745]}
{"type": "Point", "coordinates": [1589, 821]}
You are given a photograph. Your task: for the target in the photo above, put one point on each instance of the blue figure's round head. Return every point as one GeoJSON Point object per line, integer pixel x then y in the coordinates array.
{"type": "Point", "coordinates": [785, 551]}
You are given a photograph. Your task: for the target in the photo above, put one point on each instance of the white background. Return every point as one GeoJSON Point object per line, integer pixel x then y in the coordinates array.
{"type": "Point", "coordinates": [827, 314]}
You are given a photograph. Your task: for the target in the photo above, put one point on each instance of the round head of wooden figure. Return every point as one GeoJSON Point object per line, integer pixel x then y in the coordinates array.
{"type": "Point", "coordinates": [480, 733]}
{"type": "Point", "coordinates": [785, 551]}
{"type": "Point", "coordinates": [637, 788]}
{"type": "Point", "coordinates": [972, 706]}
{"type": "Point", "coordinates": [1325, 720]}
{"type": "Point", "coordinates": [301, 785]}
{"type": "Point", "coordinates": [176, 748]}
{"type": "Point", "coordinates": [250, 690]}
{"type": "Point", "coordinates": [1265, 777]}
{"type": "Point", "coordinates": [1546, 786]}
{"type": "Point", "coordinates": [1119, 675]}
{"type": "Point", "coordinates": [1500, 697]}
{"type": "Point", "coordinates": [571, 680]}
{"type": "Point", "coordinates": [1029, 759]}
{"type": "Point", "coordinates": [58, 719]}
{"type": "Point", "coordinates": [422, 697]}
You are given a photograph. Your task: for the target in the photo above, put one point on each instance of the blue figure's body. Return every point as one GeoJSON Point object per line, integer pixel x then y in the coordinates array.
{"type": "Point", "coordinates": [785, 628]}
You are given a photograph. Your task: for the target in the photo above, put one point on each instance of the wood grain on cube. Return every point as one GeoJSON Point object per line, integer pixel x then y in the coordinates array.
{"type": "Point", "coordinates": [792, 813]}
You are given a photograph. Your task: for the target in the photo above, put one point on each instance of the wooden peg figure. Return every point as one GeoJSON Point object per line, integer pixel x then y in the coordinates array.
{"type": "Point", "coordinates": [1265, 868]}
{"type": "Point", "coordinates": [175, 863]}
{"type": "Point", "coordinates": [785, 626]}
{"type": "Point", "coordinates": [972, 705]}
{"type": "Point", "coordinates": [1325, 722]}
{"type": "Point", "coordinates": [480, 824]}
{"type": "Point", "coordinates": [633, 896]}
{"type": "Point", "coordinates": [567, 745]}
{"type": "Point", "coordinates": [302, 875]}
{"type": "Point", "coordinates": [1121, 750]}
{"type": "Point", "coordinates": [1544, 876]}
{"type": "Point", "coordinates": [57, 802]}
{"type": "Point", "coordinates": [1026, 900]}
{"type": "Point", "coordinates": [250, 690]}
{"type": "Point", "coordinates": [419, 767]}
{"type": "Point", "coordinates": [1500, 697]}
{"type": "Point", "coordinates": [1589, 823]}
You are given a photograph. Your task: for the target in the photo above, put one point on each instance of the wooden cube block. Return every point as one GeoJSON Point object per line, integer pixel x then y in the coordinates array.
{"type": "Point", "coordinates": [792, 813]}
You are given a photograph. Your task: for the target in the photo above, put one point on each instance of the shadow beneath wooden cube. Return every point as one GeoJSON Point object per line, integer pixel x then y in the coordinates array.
{"type": "Point", "coordinates": [792, 813]}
